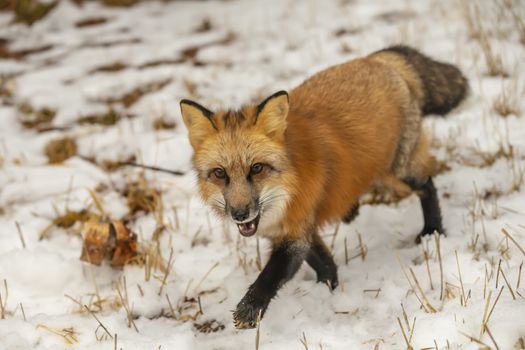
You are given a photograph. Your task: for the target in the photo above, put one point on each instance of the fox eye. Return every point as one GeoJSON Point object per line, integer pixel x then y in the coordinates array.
{"type": "Point", "coordinates": [219, 173]}
{"type": "Point", "coordinates": [256, 168]}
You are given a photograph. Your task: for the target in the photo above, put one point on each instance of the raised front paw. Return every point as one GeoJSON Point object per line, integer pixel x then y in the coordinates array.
{"type": "Point", "coordinates": [248, 311]}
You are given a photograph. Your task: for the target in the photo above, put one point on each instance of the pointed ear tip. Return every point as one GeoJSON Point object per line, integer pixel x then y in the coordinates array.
{"type": "Point", "coordinates": [186, 102]}
{"type": "Point", "coordinates": [282, 93]}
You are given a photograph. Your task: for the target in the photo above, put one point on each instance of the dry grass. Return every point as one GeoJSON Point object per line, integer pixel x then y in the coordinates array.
{"type": "Point", "coordinates": [108, 118]}
{"type": "Point", "coordinates": [69, 220]}
{"type": "Point", "coordinates": [164, 124]}
{"type": "Point", "coordinates": [29, 11]}
{"type": "Point", "coordinates": [141, 197]}
{"type": "Point", "coordinates": [131, 97]}
{"type": "Point", "coordinates": [37, 119]}
{"type": "Point", "coordinates": [59, 150]}
{"type": "Point", "coordinates": [211, 326]}
{"type": "Point", "coordinates": [475, 21]}
{"type": "Point", "coordinates": [508, 102]}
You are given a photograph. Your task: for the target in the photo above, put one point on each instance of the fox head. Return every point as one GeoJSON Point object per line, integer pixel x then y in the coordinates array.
{"type": "Point", "coordinates": [241, 162]}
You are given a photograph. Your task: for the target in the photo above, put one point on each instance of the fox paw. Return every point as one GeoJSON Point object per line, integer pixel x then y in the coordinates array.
{"type": "Point", "coordinates": [330, 279]}
{"type": "Point", "coordinates": [428, 231]}
{"type": "Point", "coordinates": [248, 312]}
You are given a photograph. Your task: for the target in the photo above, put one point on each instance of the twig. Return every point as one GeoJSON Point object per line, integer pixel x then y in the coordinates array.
{"type": "Point", "coordinates": [23, 312]}
{"type": "Point", "coordinates": [19, 229]}
{"type": "Point", "coordinates": [154, 168]}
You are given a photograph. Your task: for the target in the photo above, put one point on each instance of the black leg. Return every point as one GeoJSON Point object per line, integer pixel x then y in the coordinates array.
{"type": "Point", "coordinates": [350, 216]}
{"type": "Point", "coordinates": [284, 262]}
{"type": "Point", "coordinates": [320, 259]}
{"type": "Point", "coordinates": [430, 204]}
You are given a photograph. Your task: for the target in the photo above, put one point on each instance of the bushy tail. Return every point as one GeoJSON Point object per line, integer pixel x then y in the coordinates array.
{"type": "Point", "coordinates": [444, 86]}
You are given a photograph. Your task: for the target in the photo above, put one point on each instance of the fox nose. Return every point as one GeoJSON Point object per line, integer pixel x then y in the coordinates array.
{"type": "Point", "coordinates": [240, 214]}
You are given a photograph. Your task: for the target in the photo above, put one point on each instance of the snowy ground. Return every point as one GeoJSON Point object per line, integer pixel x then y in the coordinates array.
{"type": "Point", "coordinates": [227, 53]}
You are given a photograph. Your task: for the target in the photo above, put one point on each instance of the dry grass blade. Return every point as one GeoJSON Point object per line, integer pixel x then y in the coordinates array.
{"type": "Point", "coordinates": [258, 330]}
{"type": "Point", "coordinates": [123, 295]}
{"type": "Point", "coordinates": [304, 341]}
{"type": "Point", "coordinates": [154, 168]}
{"type": "Point", "coordinates": [99, 323]}
{"type": "Point", "coordinates": [493, 306]}
{"type": "Point", "coordinates": [476, 340]}
{"type": "Point", "coordinates": [3, 301]}
{"type": "Point", "coordinates": [438, 250]}
{"type": "Point", "coordinates": [492, 337]}
{"type": "Point", "coordinates": [167, 272]}
{"type": "Point", "coordinates": [206, 275]}
{"type": "Point", "coordinates": [407, 340]}
{"type": "Point", "coordinates": [69, 334]}
{"type": "Point", "coordinates": [20, 234]}
{"type": "Point", "coordinates": [506, 233]}
{"type": "Point", "coordinates": [508, 285]}
{"type": "Point", "coordinates": [463, 299]}
{"type": "Point", "coordinates": [485, 313]}
{"type": "Point", "coordinates": [519, 276]}
{"type": "Point", "coordinates": [423, 295]}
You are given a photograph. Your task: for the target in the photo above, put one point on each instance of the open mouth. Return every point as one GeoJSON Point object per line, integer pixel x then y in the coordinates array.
{"type": "Point", "coordinates": [249, 228]}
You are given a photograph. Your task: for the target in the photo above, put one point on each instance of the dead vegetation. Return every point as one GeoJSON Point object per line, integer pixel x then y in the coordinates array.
{"type": "Point", "coordinates": [60, 150]}
{"type": "Point", "coordinates": [508, 102]}
{"type": "Point", "coordinates": [7, 53]}
{"type": "Point", "coordinates": [91, 21]}
{"type": "Point", "coordinates": [161, 123]}
{"type": "Point", "coordinates": [37, 119]}
{"type": "Point", "coordinates": [71, 220]}
{"type": "Point", "coordinates": [131, 97]}
{"type": "Point", "coordinates": [108, 118]}
{"type": "Point", "coordinates": [116, 66]}
{"type": "Point", "coordinates": [28, 11]}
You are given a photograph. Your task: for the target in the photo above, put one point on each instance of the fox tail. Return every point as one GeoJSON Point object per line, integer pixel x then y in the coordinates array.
{"type": "Point", "coordinates": [443, 85]}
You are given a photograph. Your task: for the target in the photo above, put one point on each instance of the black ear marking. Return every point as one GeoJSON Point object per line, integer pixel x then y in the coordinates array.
{"type": "Point", "coordinates": [206, 112]}
{"type": "Point", "coordinates": [263, 103]}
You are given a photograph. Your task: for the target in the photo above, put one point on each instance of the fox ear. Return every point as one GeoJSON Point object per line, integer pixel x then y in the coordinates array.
{"type": "Point", "coordinates": [198, 121]}
{"type": "Point", "coordinates": [271, 114]}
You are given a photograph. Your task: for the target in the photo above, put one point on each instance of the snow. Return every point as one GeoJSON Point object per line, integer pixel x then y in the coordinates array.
{"type": "Point", "coordinates": [275, 45]}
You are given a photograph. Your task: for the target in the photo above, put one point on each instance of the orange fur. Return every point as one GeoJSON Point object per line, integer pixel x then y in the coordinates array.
{"type": "Point", "coordinates": [342, 130]}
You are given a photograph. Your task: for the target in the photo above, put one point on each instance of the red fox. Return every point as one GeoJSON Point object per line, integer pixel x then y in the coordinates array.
{"type": "Point", "coordinates": [299, 160]}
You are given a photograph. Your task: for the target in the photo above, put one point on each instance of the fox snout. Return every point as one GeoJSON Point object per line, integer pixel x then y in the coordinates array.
{"type": "Point", "coordinates": [246, 217]}
{"type": "Point", "coordinates": [240, 215]}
